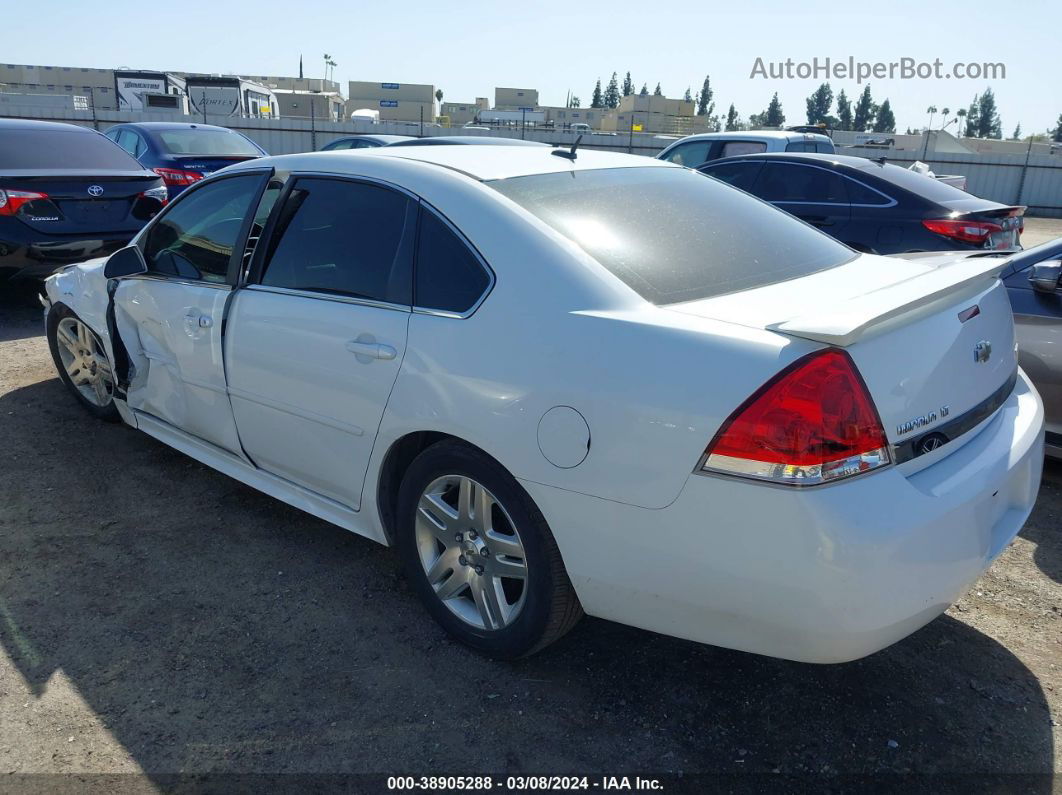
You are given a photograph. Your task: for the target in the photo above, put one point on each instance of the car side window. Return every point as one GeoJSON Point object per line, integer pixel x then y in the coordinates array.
{"type": "Point", "coordinates": [789, 182]}
{"type": "Point", "coordinates": [737, 148]}
{"type": "Point", "coordinates": [800, 146]}
{"type": "Point", "coordinates": [195, 238]}
{"type": "Point", "coordinates": [341, 144]}
{"type": "Point", "coordinates": [858, 193]}
{"type": "Point", "coordinates": [342, 237]}
{"type": "Point", "coordinates": [825, 147]}
{"type": "Point", "coordinates": [449, 276]}
{"type": "Point", "coordinates": [692, 154]}
{"type": "Point", "coordinates": [127, 141]}
{"type": "Point", "coordinates": [740, 175]}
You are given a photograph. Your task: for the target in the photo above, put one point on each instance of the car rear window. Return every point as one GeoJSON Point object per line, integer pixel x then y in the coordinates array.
{"type": "Point", "coordinates": [206, 142]}
{"type": "Point", "coordinates": [58, 149]}
{"type": "Point", "coordinates": [672, 234]}
{"type": "Point", "coordinates": [920, 184]}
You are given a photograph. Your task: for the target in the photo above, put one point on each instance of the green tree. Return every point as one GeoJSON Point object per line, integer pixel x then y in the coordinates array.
{"type": "Point", "coordinates": [773, 116]}
{"type": "Point", "coordinates": [733, 121]}
{"type": "Point", "coordinates": [819, 104]}
{"type": "Point", "coordinates": [757, 120]}
{"type": "Point", "coordinates": [645, 91]}
{"type": "Point", "coordinates": [612, 93]}
{"type": "Point", "coordinates": [988, 121]}
{"type": "Point", "coordinates": [687, 97]}
{"type": "Point", "coordinates": [844, 112]}
{"type": "Point", "coordinates": [575, 102]}
{"type": "Point", "coordinates": [657, 92]}
{"type": "Point", "coordinates": [863, 117]}
{"type": "Point", "coordinates": [1016, 135]}
{"type": "Point", "coordinates": [596, 99]}
{"type": "Point", "coordinates": [628, 85]}
{"type": "Point", "coordinates": [884, 120]}
{"type": "Point", "coordinates": [932, 111]}
{"type": "Point", "coordinates": [1056, 134]}
{"type": "Point", "coordinates": [705, 106]}
{"type": "Point", "coordinates": [960, 129]}
{"type": "Point", "coordinates": [973, 118]}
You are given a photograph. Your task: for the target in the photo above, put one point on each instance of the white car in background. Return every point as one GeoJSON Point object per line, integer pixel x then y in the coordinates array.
{"type": "Point", "coordinates": [696, 150]}
{"type": "Point", "coordinates": [562, 381]}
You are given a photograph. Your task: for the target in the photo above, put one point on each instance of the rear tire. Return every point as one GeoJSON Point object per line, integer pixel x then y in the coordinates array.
{"type": "Point", "coordinates": [480, 555]}
{"type": "Point", "coordinates": [82, 363]}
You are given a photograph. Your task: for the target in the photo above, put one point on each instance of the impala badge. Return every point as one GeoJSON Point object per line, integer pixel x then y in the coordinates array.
{"type": "Point", "coordinates": [982, 351]}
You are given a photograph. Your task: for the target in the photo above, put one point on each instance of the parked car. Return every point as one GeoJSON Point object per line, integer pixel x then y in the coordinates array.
{"type": "Point", "coordinates": [580, 127]}
{"type": "Point", "coordinates": [489, 140]}
{"type": "Point", "coordinates": [1034, 284]}
{"type": "Point", "coordinates": [874, 206]}
{"type": "Point", "coordinates": [363, 142]}
{"type": "Point", "coordinates": [579, 381]}
{"type": "Point", "coordinates": [67, 194]}
{"type": "Point", "coordinates": [696, 150]}
{"type": "Point", "coordinates": [181, 153]}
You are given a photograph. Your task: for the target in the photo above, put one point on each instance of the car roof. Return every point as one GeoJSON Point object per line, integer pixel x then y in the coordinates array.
{"type": "Point", "coordinates": [439, 140]}
{"type": "Point", "coordinates": [849, 161]}
{"type": "Point", "coordinates": [32, 124]}
{"type": "Point", "coordinates": [745, 135]}
{"type": "Point", "coordinates": [372, 136]}
{"type": "Point", "coordinates": [171, 125]}
{"type": "Point", "coordinates": [483, 163]}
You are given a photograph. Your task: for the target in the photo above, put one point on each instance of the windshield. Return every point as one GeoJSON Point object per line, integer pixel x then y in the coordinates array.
{"type": "Point", "coordinates": [672, 234]}
{"type": "Point", "coordinates": [58, 149]}
{"type": "Point", "coordinates": [206, 142]}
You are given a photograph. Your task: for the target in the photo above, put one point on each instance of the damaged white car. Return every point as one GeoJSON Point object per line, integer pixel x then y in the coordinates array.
{"type": "Point", "coordinates": [564, 381]}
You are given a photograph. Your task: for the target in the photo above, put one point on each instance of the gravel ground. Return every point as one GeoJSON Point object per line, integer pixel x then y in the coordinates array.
{"type": "Point", "coordinates": [157, 618]}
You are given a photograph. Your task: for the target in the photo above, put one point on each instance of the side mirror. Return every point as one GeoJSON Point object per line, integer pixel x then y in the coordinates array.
{"type": "Point", "coordinates": [126, 261]}
{"type": "Point", "coordinates": [1045, 276]}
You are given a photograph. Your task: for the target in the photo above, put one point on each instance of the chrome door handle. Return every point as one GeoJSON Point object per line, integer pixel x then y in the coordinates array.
{"type": "Point", "coordinates": [374, 350]}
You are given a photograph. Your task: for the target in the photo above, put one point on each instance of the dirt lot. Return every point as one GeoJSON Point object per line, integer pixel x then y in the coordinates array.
{"type": "Point", "coordinates": [157, 617]}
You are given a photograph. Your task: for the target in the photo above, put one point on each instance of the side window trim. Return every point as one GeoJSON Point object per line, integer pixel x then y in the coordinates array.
{"type": "Point", "coordinates": [141, 237]}
{"type": "Point", "coordinates": [491, 279]}
{"type": "Point", "coordinates": [255, 271]}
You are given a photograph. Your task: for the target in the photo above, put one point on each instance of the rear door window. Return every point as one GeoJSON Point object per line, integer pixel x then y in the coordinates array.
{"type": "Point", "coordinates": [738, 148]}
{"type": "Point", "coordinates": [793, 183]}
{"type": "Point", "coordinates": [449, 276]}
{"type": "Point", "coordinates": [670, 234]}
{"type": "Point", "coordinates": [345, 238]}
{"type": "Point", "coordinates": [741, 174]}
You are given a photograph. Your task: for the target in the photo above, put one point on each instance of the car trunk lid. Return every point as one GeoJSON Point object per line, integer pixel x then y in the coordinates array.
{"type": "Point", "coordinates": [933, 342]}
{"type": "Point", "coordinates": [83, 202]}
{"type": "Point", "coordinates": [207, 164]}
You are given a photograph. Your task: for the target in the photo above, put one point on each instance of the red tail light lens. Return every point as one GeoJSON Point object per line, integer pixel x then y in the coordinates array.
{"type": "Point", "coordinates": [975, 232]}
{"type": "Point", "coordinates": [813, 423]}
{"type": "Point", "coordinates": [177, 177]}
{"type": "Point", "coordinates": [11, 200]}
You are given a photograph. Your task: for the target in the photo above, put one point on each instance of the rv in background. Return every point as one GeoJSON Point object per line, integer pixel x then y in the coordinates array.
{"type": "Point", "coordinates": [230, 96]}
{"type": "Point", "coordinates": [131, 88]}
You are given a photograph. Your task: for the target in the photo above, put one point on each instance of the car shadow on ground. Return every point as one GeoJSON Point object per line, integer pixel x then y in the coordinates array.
{"type": "Point", "coordinates": [20, 311]}
{"type": "Point", "coordinates": [1043, 527]}
{"type": "Point", "coordinates": [212, 628]}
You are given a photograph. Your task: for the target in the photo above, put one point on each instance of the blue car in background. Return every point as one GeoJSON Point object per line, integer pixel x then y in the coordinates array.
{"type": "Point", "coordinates": [182, 153]}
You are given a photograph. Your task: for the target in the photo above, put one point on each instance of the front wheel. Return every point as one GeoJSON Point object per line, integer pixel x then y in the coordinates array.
{"type": "Point", "coordinates": [480, 555]}
{"type": "Point", "coordinates": [82, 363]}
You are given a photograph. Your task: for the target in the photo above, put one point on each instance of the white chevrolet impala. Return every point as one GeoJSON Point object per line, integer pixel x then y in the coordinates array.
{"type": "Point", "coordinates": [562, 382]}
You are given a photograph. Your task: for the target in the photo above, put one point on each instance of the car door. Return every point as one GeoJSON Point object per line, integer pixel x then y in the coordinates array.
{"type": "Point", "coordinates": [170, 319]}
{"type": "Point", "coordinates": [813, 194]}
{"type": "Point", "coordinates": [315, 340]}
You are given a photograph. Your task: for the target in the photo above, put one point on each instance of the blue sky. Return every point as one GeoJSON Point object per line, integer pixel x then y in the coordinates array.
{"type": "Point", "coordinates": [469, 46]}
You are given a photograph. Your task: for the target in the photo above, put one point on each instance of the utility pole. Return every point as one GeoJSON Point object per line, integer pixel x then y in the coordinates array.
{"type": "Point", "coordinates": [630, 141]}
{"type": "Point", "coordinates": [202, 102]}
{"type": "Point", "coordinates": [92, 105]}
{"type": "Point", "coordinates": [313, 127]}
{"type": "Point", "coordinates": [523, 123]}
{"type": "Point", "coordinates": [1024, 171]}
{"type": "Point", "coordinates": [421, 121]}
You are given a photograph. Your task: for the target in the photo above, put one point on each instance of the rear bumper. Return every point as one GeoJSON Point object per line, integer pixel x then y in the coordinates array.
{"type": "Point", "coordinates": [26, 255]}
{"type": "Point", "coordinates": [823, 575]}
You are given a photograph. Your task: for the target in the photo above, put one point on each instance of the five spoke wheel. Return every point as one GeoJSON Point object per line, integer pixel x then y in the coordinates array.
{"type": "Point", "coordinates": [85, 362]}
{"type": "Point", "coordinates": [471, 552]}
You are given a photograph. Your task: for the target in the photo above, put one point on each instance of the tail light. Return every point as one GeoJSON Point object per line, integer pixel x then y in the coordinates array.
{"type": "Point", "coordinates": [976, 232]}
{"type": "Point", "coordinates": [11, 200]}
{"type": "Point", "coordinates": [176, 177]}
{"type": "Point", "coordinates": [813, 423]}
{"type": "Point", "coordinates": [160, 194]}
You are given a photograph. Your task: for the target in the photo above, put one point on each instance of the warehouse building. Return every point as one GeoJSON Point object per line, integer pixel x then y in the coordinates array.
{"type": "Point", "coordinates": [324, 106]}
{"type": "Point", "coordinates": [460, 113]}
{"type": "Point", "coordinates": [410, 102]}
{"type": "Point", "coordinates": [515, 98]}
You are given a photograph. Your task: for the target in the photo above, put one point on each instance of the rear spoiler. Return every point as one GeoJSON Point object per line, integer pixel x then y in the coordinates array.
{"type": "Point", "coordinates": [859, 317]}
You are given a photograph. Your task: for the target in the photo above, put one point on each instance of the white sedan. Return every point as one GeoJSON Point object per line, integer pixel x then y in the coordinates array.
{"type": "Point", "coordinates": [567, 381]}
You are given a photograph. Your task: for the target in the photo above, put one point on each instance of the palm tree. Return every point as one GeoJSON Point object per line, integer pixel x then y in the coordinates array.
{"type": "Point", "coordinates": [960, 114]}
{"type": "Point", "coordinates": [931, 110]}
{"type": "Point", "coordinates": [944, 117]}
{"type": "Point", "coordinates": [438, 98]}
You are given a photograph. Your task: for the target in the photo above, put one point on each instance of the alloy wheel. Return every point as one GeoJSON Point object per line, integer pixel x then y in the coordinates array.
{"type": "Point", "coordinates": [85, 361]}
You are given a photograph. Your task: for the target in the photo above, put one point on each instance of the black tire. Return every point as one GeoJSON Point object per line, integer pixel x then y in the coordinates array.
{"type": "Point", "coordinates": [550, 607]}
{"type": "Point", "coordinates": [107, 413]}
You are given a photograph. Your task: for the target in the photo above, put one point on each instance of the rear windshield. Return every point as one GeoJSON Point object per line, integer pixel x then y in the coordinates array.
{"type": "Point", "coordinates": [205, 142]}
{"type": "Point", "coordinates": [672, 234]}
{"type": "Point", "coordinates": [920, 184]}
{"type": "Point", "coordinates": [58, 149]}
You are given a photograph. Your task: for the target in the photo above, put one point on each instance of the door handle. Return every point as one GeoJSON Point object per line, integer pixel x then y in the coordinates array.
{"type": "Point", "coordinates": [373, 350]}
